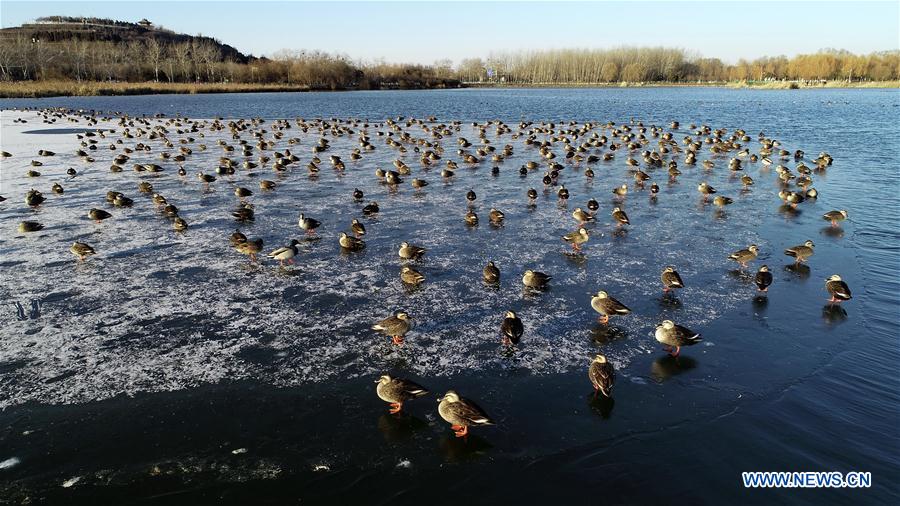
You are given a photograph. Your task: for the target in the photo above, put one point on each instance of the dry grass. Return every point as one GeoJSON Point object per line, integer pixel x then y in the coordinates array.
{"type": "Point", "coordinates": [38, 89]}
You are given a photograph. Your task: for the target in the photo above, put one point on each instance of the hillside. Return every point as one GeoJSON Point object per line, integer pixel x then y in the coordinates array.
{"type": "Point", "coordinates": [61, 29]}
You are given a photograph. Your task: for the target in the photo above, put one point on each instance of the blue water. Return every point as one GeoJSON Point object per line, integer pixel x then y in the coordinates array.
{"type": "Point", "coordinates": [167, 369]}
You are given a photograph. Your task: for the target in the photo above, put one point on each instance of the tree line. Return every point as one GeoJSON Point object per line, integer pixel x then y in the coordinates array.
{"type": "Point", "coordinates": [635, 65]}
{"type": "Point", "coordinates": [203, 60]}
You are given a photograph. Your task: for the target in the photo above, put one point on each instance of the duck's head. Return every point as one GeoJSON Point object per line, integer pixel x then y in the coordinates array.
{"type": "Point", "coordinates": [764, 268]}
{"type": "Point", "coordinates": [754, 248]}
{"type": "Point", "coordinates": [600, 359]}
{"type": "Point", "coordinates": [404, 244]}
{"type": "Point", "coordinates": [669, 268]}
{"type": "Point", "coordinates": [834, 277]}
{"type": "Point", "coordinates": [602, 294]}
{"type": "Point", "coordinates": [450, 396]}
{"type": "Point", "coordinates": [666, 324]}
{"type": "Point", "coordinates": [401, 315]}
{"type": "Point", "coordinates": [294, 242]}
{"type": "Point", "coordinates": [383, 380]}
{"type": "Point", "coordinates": [616, 209]}
{"type": "Point", "coordinates": [844, 213]}
{"type": "Point", "coordinates": [510, 314]}
{"type": "Point", "coordinates": [582, 231]}
{"type": "Point", "coordinates": [809, 244]}
{"type": "Point", "coordinates": [529, 272]}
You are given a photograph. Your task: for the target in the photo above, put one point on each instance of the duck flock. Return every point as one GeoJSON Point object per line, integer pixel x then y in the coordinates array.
{"type": "Point", "coordinates": [636, 159]}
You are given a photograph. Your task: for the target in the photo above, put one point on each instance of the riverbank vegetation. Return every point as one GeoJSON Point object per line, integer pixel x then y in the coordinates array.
{"type": "Point", "coordinates": [78, 56]}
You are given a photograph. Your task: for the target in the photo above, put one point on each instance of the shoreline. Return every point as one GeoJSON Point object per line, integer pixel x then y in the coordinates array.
{"type": "Point", "coordinates": [51, 89]}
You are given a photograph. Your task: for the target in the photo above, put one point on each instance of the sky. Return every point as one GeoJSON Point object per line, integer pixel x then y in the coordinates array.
{"type": "Point", "coordinates": [427, 31]}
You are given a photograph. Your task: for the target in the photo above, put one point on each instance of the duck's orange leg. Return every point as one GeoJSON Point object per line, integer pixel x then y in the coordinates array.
{"type": "Point", "coordinates": [396, 407]}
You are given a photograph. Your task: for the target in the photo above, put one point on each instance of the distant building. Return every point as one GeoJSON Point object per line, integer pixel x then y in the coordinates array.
{"type": "Point", "coordinates": [145, 23]}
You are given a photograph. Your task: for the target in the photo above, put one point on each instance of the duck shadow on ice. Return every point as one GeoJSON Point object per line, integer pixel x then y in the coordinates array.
{"type": "Point", "coordinates": [798, 270]}
{"type": "Point", "coordinates": [832, 232]}
{"type": "Point", "coordinates": [604, 334]}
{"type": "Point", "coordinates": [601, 404]}
{"type": "Point", "coordinates": [668, 366]}
{"type": "Point", "coordinates": [834, 314]}
{"type": "Point", "coordinates": [400, 427]}
{"type": "Point", "coordinates": [457, 449]}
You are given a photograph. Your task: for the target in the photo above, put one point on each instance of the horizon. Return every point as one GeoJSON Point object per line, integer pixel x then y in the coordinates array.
{"type": "Point", "coordinates": [858, 27]}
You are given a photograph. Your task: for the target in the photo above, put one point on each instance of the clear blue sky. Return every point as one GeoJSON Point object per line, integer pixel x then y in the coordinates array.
{"type": "Point", "coordinates": [424, 31]}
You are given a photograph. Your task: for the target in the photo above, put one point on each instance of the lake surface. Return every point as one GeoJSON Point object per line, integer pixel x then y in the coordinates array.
{"type": "Point", "coordinates": [168, 369]}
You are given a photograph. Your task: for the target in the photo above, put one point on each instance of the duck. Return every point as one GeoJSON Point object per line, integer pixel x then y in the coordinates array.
{"type": "Point", "coordinates": [250, 248]}
{"type": "Point", "coordinates": [242, 192]}
{"type": "Point", "coordinates": [30, 226]}
{"type": "Point", "coordinates": [308, 224]}
{"type": "Point", "coordinates": [351, 243]}
{"type": "Point", "coordinates": [620, 217]}
{"type": "Point", "coordinates": [357, 228]}
{"type": "Point", "coordinates": [593, 205]}
{"type": "Point", "coordinates": [838, 289]}
{"type": "Point", "coordinates": [179, 224]}
{"type": "Point", "coordinates": [746, 180]}
{"type": "Point", "coordinates": [581, 216]}
{"type": "Point", "coordinates": [675, 336]}
{"type": "Point", "coordinates": [608, 306]}
{"type": "Point", "coordinates": [721, 201]}
{"type": "Point", "coordinates": [471, 218]}
{"type": "Point", "coordinates": [419, 183]}
{"type": "Point", "coordinates": [835, 217]}
{"type": "Point", "coordinates": [562, 192]}
{"type": "Point", "coordinates": [671, 279]}
{"type": "Point", "coordinates": [57, 189]}
{"type": "Point", "coordinates": [357, 194]}
{"type": "Point", "coordinates": [206, 178]}
{"type": "Point", "coordinates": [411, 276]}
{"type": "Point", "coordinates": [98, 215]}
{"type": "Point", "coordinates": [535, 279]}
{"type": "Point", "coordinates": [576, 238]}
{"type": "Point", "coordinates": [34, 198]}
{"type": "Point", "coordinates": [81, 250]}
{"type": "Point", "coordinates": [794, 198]}
{"type": "Point", "coordinates": [470, 196]}
{"type": "Point", "coordinates": [122, 201]}
{"type": "Point", "coordinates": [742, 256]}
{"type": "Point", "coordinates": [763, 279]}
{"type": "Point", "coordinates": [705, 189]}
{"type": "Point", "coordinates": [396, 326]}
{"type": "Point", "coordinates": [511, 329]}
{"type": "Point", "coordinates": [396, 391]}
{"type": "Point", "coordinates": [370, 208]}
{"type": "Point", "coordinates": [267, 185]}
{"type": "Point", "coordinates": [602, 375]}
{"type": "Point", "coordinates": [496, 216]}
{"type": "Point", "coordinates": [411, 252]}
{"type": "Point", "coordinates": [801, 252]}
{"type": "Point", "coordinates": [145, 187]}
{"type": "Point", "coordinates": [491, 273]}
{"type": "Point", "coordinates": [285, 253]}
{"type": "Point", "coordinates": [532, 193]}
{"type": "Point", "coordinates": [461, 413]}
{"type": "Point", "coordinates": [237, 237]}
{"type": "Point", "coordinates": [621, 191]}
{"type": "Point", "coordinates": [243, 213]}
